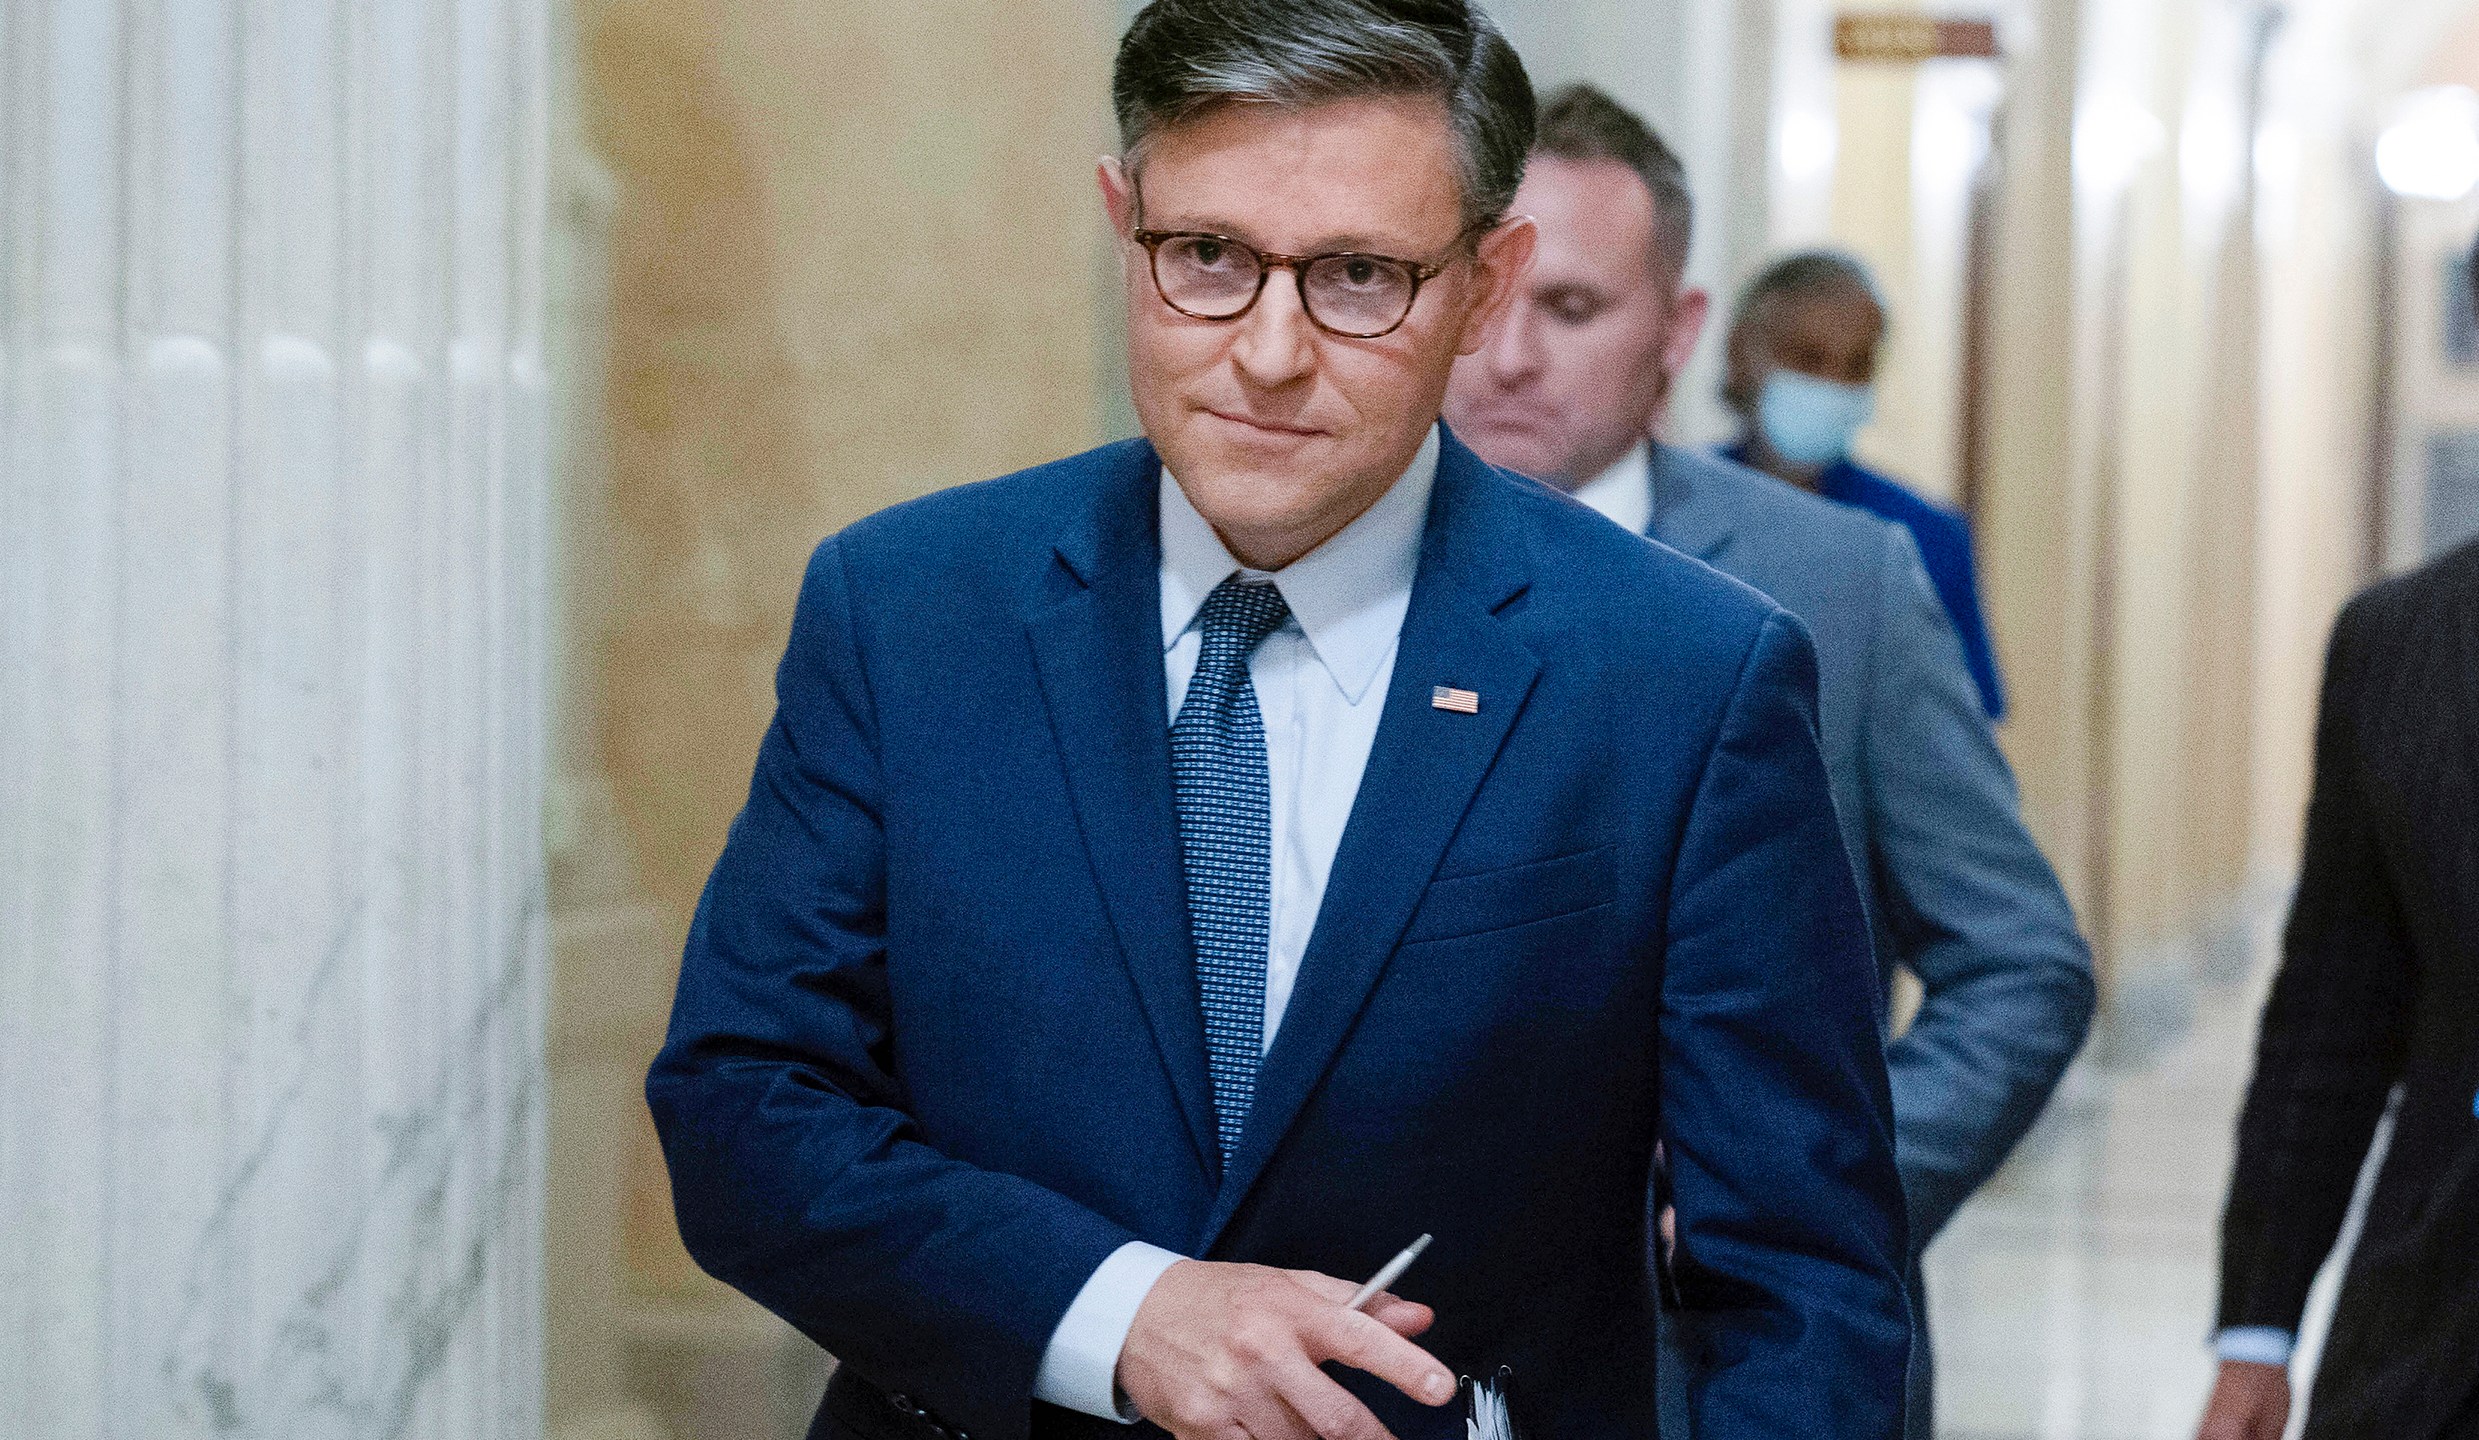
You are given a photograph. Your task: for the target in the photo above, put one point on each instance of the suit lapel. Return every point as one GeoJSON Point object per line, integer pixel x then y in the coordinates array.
{"type": "Point", "coordinates": [1684, 517]}
{"type": "Point", "coordinates": [1098, 650]}
{"type": "Point", "coordinates": [1423, 769]}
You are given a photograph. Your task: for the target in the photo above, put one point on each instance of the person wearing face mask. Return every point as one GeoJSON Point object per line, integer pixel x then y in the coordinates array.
{"type": "Point", "coordinates": [1804, 343]}
{"type": "Point", "coordinates": [1572, 378]}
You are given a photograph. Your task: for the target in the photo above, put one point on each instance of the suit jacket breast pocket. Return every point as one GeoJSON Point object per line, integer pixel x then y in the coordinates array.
{"type": "Point", "coordinates": [1459, 906]}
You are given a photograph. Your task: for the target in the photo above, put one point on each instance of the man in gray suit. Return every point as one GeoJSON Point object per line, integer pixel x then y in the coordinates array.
{"type": "Point", "coordinates": [1568, 387]}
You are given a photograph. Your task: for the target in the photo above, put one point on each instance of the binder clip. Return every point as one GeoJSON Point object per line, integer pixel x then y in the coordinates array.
{"type": "Point", "coordinates": [1485, 1412]}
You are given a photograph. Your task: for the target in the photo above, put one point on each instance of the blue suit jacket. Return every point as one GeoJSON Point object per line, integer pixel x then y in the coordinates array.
{"type": "Point", "coordinates": [1960, 893]}
{"type": "Point", "coordinates": [937, 1049]}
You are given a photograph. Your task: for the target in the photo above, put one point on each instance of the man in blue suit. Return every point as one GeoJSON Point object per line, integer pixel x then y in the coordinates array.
{"type": "Point", "coordinates": [1573, 378]}
{"type": "Point", "coordinates": [1179, 875]}
{"type": "Point", "coordinates": [1803, 349]}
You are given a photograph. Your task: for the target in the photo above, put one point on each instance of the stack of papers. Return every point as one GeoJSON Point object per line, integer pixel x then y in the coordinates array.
{"type": "Point", "coordinates": [1485, 1415]}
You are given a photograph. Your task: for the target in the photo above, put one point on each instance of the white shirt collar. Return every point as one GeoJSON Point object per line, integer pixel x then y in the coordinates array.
{"type": "Point", "coordinates": [1624, 492]}
{"type": "Point", "coordinates": [1348, 595]}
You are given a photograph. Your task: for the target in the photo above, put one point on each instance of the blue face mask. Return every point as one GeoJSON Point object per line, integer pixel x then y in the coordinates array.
{"type": "Point", "coordinates": [1809, 421]}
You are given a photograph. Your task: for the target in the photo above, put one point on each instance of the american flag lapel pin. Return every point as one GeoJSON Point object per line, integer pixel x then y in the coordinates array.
{"type": "Point", "coordinates": [1459, 702]}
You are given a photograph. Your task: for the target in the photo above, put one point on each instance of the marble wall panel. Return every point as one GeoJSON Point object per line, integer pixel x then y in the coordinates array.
{"type": "Point", "coordinates": [815, 257]}
{"type": "Point", "coordinates": [272, 476]}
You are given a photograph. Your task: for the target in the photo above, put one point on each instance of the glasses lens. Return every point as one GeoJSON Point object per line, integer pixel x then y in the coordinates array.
{"type": "Point", "coordinates": [1205, 276]}
{"type": "Point", "coordinates": [1359, 294]}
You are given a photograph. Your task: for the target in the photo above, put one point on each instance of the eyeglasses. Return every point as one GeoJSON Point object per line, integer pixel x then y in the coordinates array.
{"type": "Point", "coordinates": [1356, 296]}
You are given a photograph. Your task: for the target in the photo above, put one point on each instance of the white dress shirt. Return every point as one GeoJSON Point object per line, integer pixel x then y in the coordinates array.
{"type": "Point", "coordinates": [2255, 1344]}
{"type": "Point", "coordinates": [1321, 683]}
{"type": "Point", "coordinates": [1624, 492]}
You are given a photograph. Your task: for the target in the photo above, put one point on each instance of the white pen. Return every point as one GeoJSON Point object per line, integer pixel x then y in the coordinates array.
{"type": "Point", "coordinates": [1393, 1272]}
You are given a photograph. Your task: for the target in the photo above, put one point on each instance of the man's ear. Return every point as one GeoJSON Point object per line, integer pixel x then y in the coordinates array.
{"type": "Point", "coordinates": [1500, 262]}
{"type": "Point", "coordinates": [1690, 308]}
{"type": "Point", "coordinates": [1118, 195]}
{"type": "Point", "coordinates": [1742, 367]}
{"type": "Point", "coordinates": [1876, 346]}
{"type": "Point", "coordinates": [1688, 316]}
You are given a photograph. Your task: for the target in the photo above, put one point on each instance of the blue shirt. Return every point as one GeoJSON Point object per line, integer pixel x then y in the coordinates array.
{"type": "Point", "coordinates": [1944, 540]}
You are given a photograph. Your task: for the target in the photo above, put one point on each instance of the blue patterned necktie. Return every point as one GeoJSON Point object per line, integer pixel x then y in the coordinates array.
{"type": "Point", "coordinates": [1218, 778]}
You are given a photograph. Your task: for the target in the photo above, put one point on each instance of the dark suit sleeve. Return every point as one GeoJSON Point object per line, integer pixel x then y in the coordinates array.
{"type": "Point", "coordinates": [1774, 1103]}
{"type": "Point", "coordinates": [797, 1175]}
{"type": "Point", "coordinates": [2336, 1030]}
{"type": "Point", "coordinates": [1970, 905]}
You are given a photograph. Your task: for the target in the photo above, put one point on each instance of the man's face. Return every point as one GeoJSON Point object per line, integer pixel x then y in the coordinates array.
{"type": "Point", "coordinates": [1280, 433]}
{"type": "Point", "coordinates": [1833, 333]}
{"type": "Point", "coordinates": [1575, 371]}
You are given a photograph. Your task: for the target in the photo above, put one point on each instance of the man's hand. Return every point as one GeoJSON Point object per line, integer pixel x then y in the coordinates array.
{"type": "Point", "coordinates": [2249, 1402]}
{"type": "Point", "coordinates": [1230, 1352]}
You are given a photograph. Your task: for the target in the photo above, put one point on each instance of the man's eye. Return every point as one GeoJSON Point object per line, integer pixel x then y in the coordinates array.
{"type": "Point", "coordinates": [1575, 310]}
{"type": "Point", "coordinates": [1360, 272]}
{"type": "Point", "coordinates": [1208, 253]}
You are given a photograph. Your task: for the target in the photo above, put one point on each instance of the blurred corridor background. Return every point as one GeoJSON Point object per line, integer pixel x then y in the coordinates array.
{"type": "Point", "coordinates": [573, 326]}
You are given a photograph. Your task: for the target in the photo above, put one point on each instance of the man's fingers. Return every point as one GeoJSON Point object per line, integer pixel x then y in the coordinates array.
{"type": "Point", "coordinates": [1329, 1410]}
{"type": "Point", "coordinates": [1230, 1352]}
{"type": "Point", "coordinates": [2249, 1402]}
{"type": "Point", "coordinates": [1267, 1415]}
{"type": "Point", "coordinates": [1325, 1287]}
{"type": "Point", "coordinates": [1404, 1317]}
{"type": "Point", "coordinates": [1364, 1343]}
{"type": "Point", "coordinates": [2225, 1426]}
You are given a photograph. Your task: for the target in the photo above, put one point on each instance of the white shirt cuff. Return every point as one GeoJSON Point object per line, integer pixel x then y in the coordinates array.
{"type": "Point", "coordinates": [2255, 1345]}
{"type": "Point", "coordinates": [1080, 1369]}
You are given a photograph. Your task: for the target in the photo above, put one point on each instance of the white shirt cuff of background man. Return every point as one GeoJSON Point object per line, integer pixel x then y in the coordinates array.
{"type": "Point", "coordinates": [2255, 1345]}
{"type": "Point", "coordinates": [1080, 1370]}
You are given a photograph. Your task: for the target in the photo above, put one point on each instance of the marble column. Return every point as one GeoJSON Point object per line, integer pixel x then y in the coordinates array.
{"type": "Point", "coordinates": [2040, 505]}
{"type": "Point", "coordinates": [272, 460]}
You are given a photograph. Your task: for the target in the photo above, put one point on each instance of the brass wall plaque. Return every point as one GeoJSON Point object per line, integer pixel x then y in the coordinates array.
{"type": "Point", "coordinates": [1898, 37]}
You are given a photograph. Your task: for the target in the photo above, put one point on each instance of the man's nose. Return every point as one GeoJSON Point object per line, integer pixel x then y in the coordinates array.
{"type": "Point", "coordinates": [1513, 349]}
{"type": "Point", "coordinates": [1277, 342]}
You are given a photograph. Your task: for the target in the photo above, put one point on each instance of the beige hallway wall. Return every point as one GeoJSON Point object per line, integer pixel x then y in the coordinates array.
{"type": "Point", "coordinates": [2176, 437]}
{"type": "Point", "coordinates": [826, 257]}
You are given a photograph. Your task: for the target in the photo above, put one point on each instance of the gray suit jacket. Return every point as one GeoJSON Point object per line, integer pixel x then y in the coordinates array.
{"type": "Point", "coordinates": [1958, 892]}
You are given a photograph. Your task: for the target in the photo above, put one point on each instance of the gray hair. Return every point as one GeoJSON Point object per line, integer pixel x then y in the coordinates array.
{"type": "Point", "coordinates": [1183, 57]}
{"type": "Point", "coordinates": [1582, 123]}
